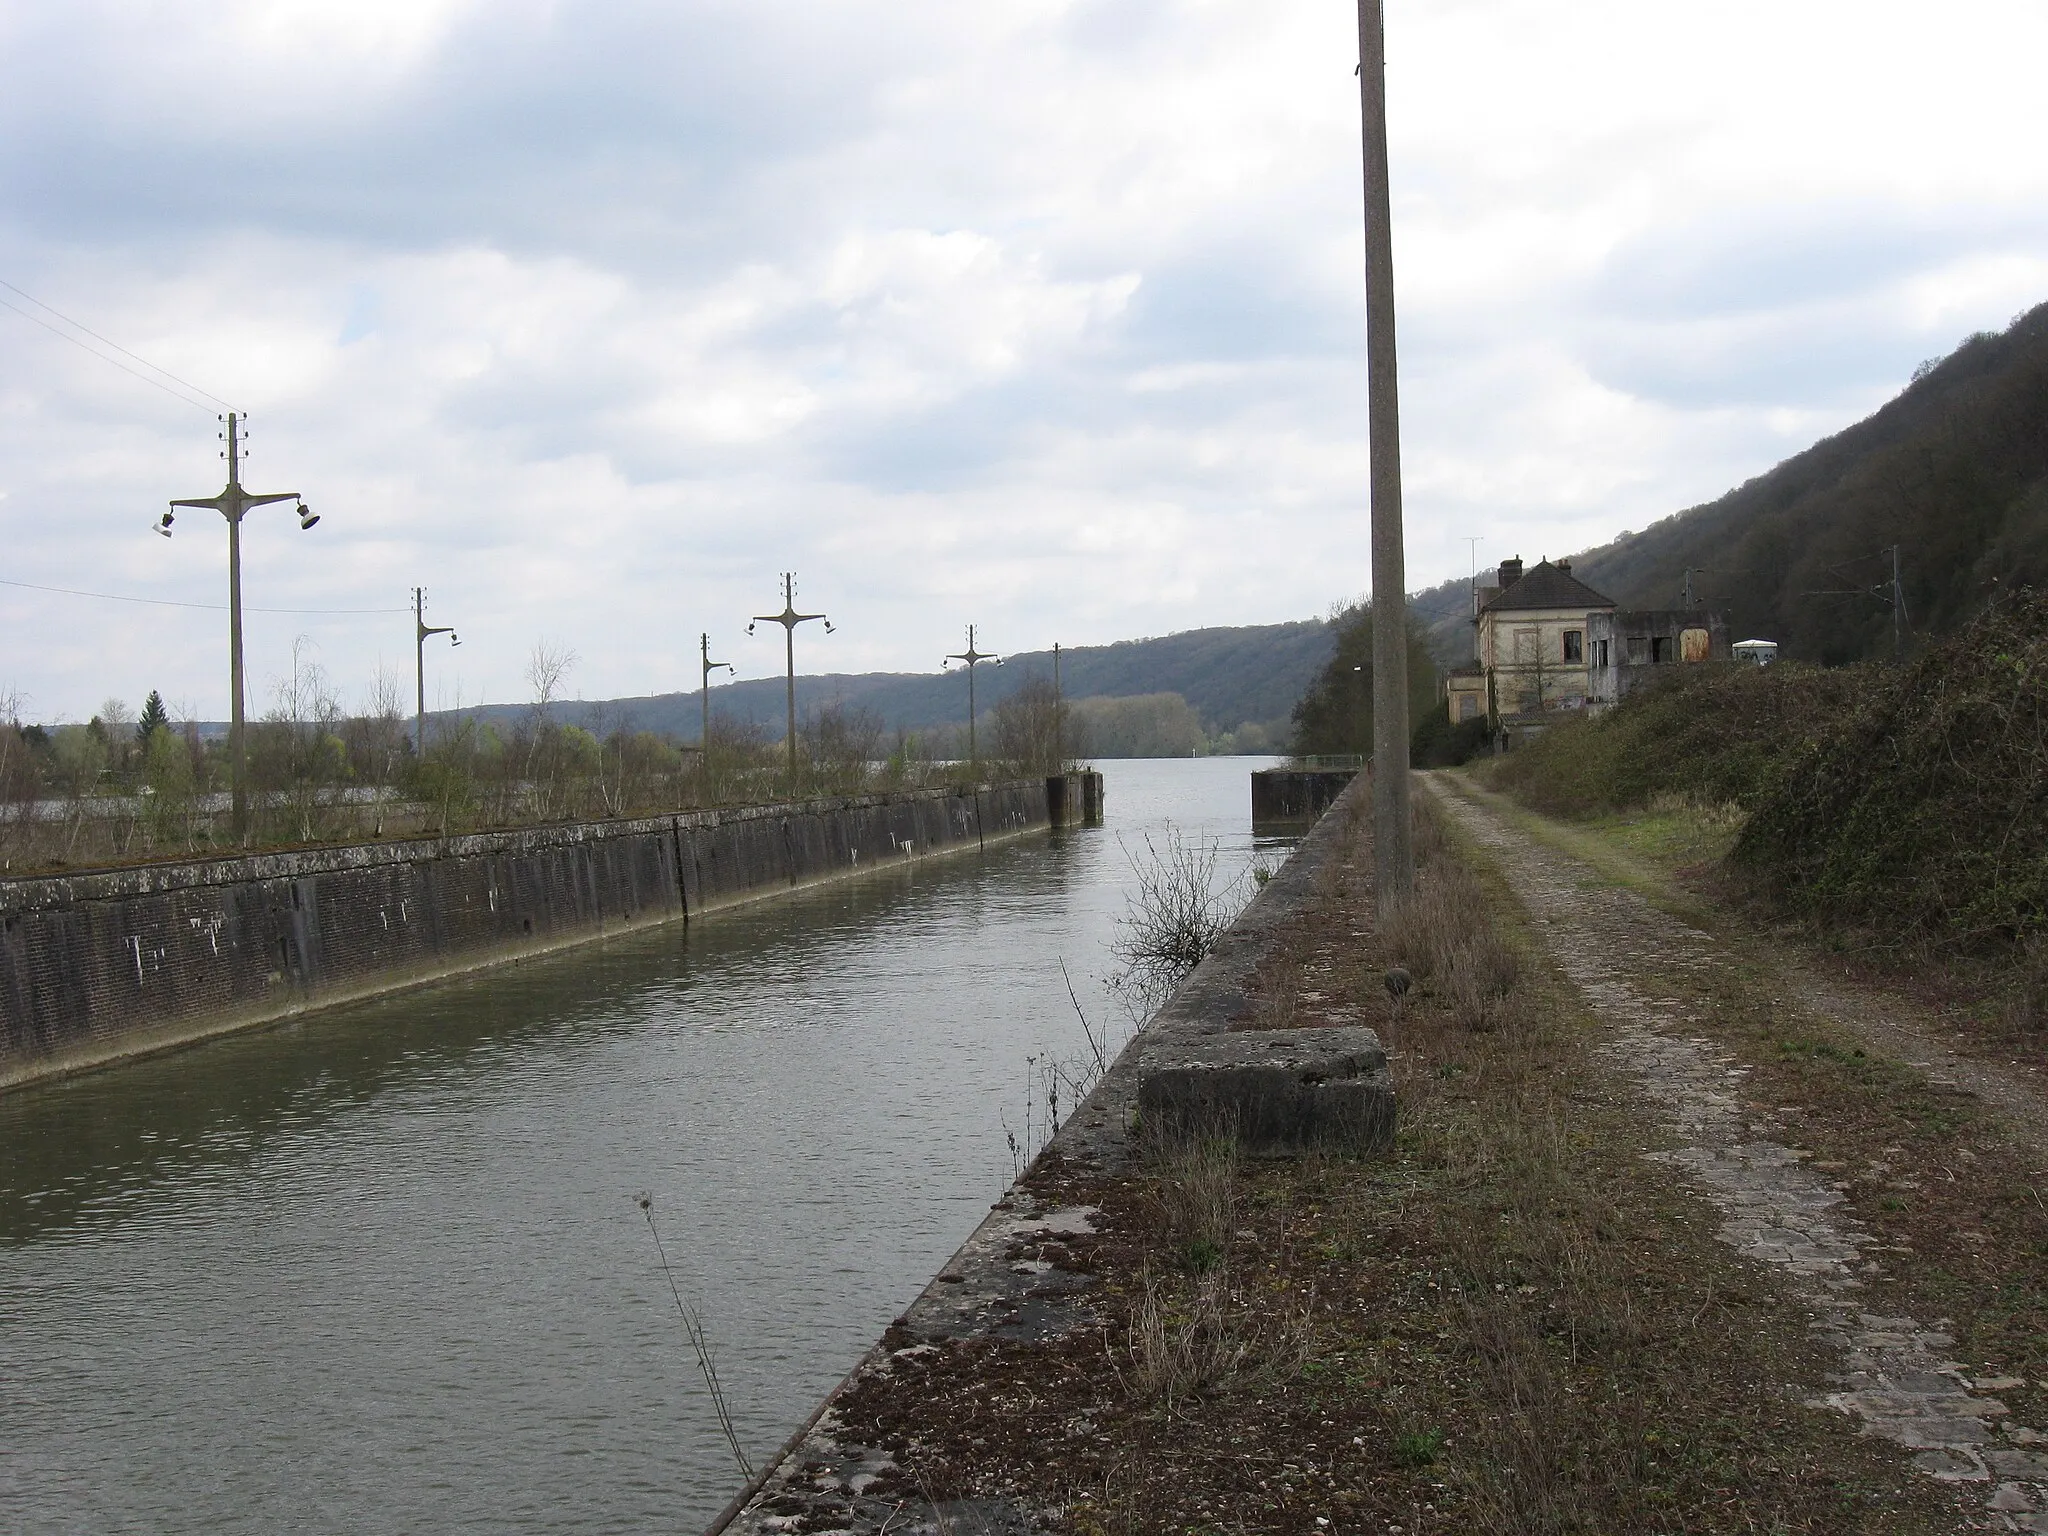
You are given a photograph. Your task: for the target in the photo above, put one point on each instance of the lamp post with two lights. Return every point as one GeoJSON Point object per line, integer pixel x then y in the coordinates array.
{"type": "Point", "coordinates": [233, 503]}
{"type": "Point", "coordinates": [973, 658]}
{"type": "Point", "coordinates": [789, 618]}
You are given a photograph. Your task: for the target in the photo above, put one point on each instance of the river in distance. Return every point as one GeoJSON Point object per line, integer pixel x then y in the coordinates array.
{"type": "Point", "coordinates": [383, 1269]}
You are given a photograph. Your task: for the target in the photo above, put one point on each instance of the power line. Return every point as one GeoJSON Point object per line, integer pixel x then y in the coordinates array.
{"type": "Point", "coordinates": [116, 362]}
{"type": "Point", "coordinates": [165, 602]}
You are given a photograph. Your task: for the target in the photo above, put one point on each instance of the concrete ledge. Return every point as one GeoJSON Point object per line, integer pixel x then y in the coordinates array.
{"type": "Point", "coordinates": [1286, 1090]}
{"type": "Point", "coordinates": [102, 967]}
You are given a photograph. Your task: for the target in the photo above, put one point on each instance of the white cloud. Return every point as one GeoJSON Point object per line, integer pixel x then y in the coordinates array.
{"type": "Point", "coordinates": [593, 318]}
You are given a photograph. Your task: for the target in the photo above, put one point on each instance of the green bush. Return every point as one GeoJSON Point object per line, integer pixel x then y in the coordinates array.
{"type": "Point", "coordinates": [1922, 812]}
{"type": "Point", "coordinates": [1439, 744]}
{"type": "Point", "coordinates": [1713, 734]}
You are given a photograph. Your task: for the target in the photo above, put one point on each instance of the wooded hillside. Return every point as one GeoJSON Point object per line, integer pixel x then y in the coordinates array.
{"type": "Point", "coordinates": [1954, 471]}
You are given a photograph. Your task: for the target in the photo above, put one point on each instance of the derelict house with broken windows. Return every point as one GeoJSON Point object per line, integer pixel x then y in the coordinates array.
{"type": "Point", "coordinates": [1548, 642]}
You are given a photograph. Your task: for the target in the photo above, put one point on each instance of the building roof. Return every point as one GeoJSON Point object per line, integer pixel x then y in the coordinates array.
{"type": "Point", "coordinates": [1546, 586]}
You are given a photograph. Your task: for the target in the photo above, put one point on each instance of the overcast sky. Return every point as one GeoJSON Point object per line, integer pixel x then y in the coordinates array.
{"type": "Point", "coordinates": [1045, 314]}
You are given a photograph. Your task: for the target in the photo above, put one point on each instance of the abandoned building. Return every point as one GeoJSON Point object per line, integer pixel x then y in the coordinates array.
{"type": "Point", "coordinates": [1628, 647]}
{"type": "Point", "coordinates": [1548, 642]}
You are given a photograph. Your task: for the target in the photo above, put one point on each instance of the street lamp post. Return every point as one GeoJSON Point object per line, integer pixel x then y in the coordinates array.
{"type": "Point", "coordinates": [706, 666]}
{"type": "Point", "coordinates": [973, 658]}
{"type": "Point", "coordinates": [420, 630]}
{"type": "Point", "coordinates": [789, 618]}
{"type": "Point", "coordinates": [233, 503]}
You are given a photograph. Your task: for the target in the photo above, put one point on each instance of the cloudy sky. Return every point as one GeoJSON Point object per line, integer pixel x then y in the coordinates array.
{"type": "Point", "coordinates": [1045, 314]}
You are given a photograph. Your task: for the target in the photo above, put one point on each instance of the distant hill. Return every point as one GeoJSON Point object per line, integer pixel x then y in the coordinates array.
{"type": "Point", "coordinates": [1954, 471]}
{"type": "Point", "coordinates": [1231, 677]}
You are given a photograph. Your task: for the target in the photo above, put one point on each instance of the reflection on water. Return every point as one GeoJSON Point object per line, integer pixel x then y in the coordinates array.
{"type": "Point", "coordinates": [381, 1269]}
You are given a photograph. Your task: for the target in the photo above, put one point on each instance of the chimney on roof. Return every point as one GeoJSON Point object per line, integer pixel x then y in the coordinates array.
{"type": "Point", "coordinates": [1565, 566]}
{"type": "Point", "coordinates": [1510, 572]}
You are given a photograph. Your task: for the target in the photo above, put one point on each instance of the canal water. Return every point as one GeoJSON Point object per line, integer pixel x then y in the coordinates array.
{"type": "Point", "coordinates": [383, 1269]}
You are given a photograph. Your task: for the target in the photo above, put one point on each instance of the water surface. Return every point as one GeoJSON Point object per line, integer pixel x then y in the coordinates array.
{"type": "Point", "coordinates": [382, 1269]}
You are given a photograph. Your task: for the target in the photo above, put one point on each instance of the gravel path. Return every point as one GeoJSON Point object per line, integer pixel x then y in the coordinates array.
{"type": "Point", "coordinates": [1897, 1376]}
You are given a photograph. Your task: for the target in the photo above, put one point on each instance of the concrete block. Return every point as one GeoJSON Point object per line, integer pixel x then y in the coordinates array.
{"type": "Point", "coordinates": [1274, 1091]}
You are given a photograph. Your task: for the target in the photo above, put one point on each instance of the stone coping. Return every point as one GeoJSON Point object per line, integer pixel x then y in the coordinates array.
{"type": "Point", "coordinates": [1004, 1283]}
{"type": "Point", "coordinates": [30, 892]}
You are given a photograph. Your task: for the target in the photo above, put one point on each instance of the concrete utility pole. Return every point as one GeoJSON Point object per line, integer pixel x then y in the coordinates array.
{"type": "Point", "coordinates": [1898, 609]}
{"type": "Point", "coordinates": [1475, 540]}
{"type": "Point", "coordinates": [1059, 724]}
{"type": "Point", "coordinates": [233, 503]}
{"type": "Point", "coordinates": [789, 618]}
{"type": "Point", "coordinates": [973, 658]}
{"type": "Point", "coordinates": [706, 666]}
{"type": "Point", "coordinates": [420, 630]}
{"type": "Point", "coordinates": [1393, 858]}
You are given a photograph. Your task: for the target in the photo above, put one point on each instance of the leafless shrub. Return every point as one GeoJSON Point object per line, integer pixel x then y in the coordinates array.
{"type": "Point", "coordinates": [1278, 1002]}
{"type": "Point", "coordinates": [1483, 974]}
{"type": "Point", "coordinates": [1171, 920]}
{"type": "Point", "coordinates": [1195, 1185]}
{"type": "Point", "coordinates": [1444, 934]}
{"type": "Point", "coordinates": [1031, 731]}
{"type": "Point", "coordinates": [841, 745]}
{"type": "Point", "coordinates": [1182, 1345]}
{"type": "Point", "coordinates": [1183, 1339]}
{"type": "Point", "coordinates": [1419, 933]}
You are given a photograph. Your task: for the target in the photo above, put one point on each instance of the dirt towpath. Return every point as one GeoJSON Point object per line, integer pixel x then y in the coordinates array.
{"type": "Point", "coordinates": [1883, 1178]}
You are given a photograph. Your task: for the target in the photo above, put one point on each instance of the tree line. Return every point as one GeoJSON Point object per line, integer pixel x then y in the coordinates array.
{"type": "Point", "coordinates": [124, 785]}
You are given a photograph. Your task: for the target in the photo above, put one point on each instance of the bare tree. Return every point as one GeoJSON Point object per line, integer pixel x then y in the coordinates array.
{"type": "Point", "coordinates": [842, 745]}
{"type": "Point", "coordinates": [547, 669]}
{"type": "Point", "coordinates": [18, 775]}
{"type": "Point", "coordinates": [298, 753]}
{"type": "Point", "coordinates": [1029, 733]}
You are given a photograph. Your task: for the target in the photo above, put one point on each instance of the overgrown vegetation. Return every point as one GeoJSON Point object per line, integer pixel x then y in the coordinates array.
{"type": "Point", "coordinates": [1446, 941]}
{"type": "Point", "coordinates": [1921, 810]}
{"type": "Point", "coordinates": [1437, 743]}
{"type": "Point", "coordinates": [1710, 735]}
{"type": "Point", "coordinates": [1908, 804]}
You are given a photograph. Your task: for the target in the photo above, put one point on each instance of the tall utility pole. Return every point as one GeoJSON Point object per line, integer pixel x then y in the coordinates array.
{"type": "Point", "coordinates": [233, 503]}
{"type": "Point", "coordinates": [420, 630]}
{"type": "Point", "coordinates": [973, 658]}
{"type": "Point", "coordinates": [789, 618]}
{"type": "Point", "coordinates": [1059, 724]}
{"type": "Point", "coordinates": [705, 667]}
{"type": "Point", "coordinates": [1393, 858]}
{"type": "Point", "coordinates": [1898, 609]}
{"type": "Point", "coordinates": [1474, 540]}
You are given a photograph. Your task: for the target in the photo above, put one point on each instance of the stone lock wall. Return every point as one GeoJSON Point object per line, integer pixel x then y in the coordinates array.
{"type": "Point", "coordinates": [100, 966]}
